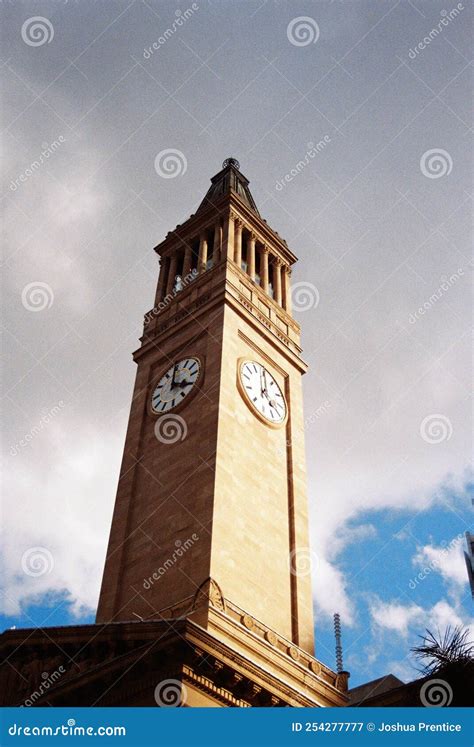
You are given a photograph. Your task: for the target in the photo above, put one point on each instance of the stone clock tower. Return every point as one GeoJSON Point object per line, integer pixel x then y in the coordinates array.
{"type": "Point", "coordinates": [210, 528]}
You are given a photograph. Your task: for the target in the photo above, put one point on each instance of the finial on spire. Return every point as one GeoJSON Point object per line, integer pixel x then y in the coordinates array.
{"type": "Point", "coordinates": [231, 162]}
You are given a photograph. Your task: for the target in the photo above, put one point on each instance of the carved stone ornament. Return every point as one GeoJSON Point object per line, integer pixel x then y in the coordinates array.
{"type": "Point", "coordinates": [210, 593]}
{"type": "Point", "coordinates": [248, 621]}
{"type": "Point", "coordinates": [294, 653]}
{"type": "Point", "coordinates": [271, 637]}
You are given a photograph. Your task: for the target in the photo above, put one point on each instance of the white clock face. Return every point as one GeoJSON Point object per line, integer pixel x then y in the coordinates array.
{"type": "Point", "coordinates": [175, 385]}
{"type": "Point", "coordinates": [263, 392]}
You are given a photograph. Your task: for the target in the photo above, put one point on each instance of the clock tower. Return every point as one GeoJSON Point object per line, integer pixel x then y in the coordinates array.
{"type": "Point", "coordinates": [211, 510]}
{"type": "Point", "coordinates": [206, 593]}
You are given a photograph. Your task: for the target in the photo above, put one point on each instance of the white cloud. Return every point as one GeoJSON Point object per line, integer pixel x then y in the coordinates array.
{"type": "Point", "coordinates": [447, 560]}
{"type": "Point", "coordinates": [394, 616]}
{"type": "Point", "coordinates": [332, 593]}
{"type": "Point", "coordinates": [442, 615]}
{"type": "Point", "coordinates": [62, 506]}
{"type": "Point", "coordinates": [403, 619]}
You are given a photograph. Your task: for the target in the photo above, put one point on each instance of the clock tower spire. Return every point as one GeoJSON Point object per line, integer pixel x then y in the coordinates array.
{"type": "Point", "coordinates": [210, 522]}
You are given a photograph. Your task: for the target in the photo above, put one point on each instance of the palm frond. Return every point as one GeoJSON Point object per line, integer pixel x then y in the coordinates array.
{"type": "Point", "coordinates": [437, 651]}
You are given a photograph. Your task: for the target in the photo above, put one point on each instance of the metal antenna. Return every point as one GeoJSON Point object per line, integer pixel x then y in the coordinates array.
{"type": "Point", "coordinates": [337, 634]}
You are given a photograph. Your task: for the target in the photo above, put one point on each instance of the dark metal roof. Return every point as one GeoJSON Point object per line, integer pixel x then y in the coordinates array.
{"type": "Point", "coordinates": [229, 179]}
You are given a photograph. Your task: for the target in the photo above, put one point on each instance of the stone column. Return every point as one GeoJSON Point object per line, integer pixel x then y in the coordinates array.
{"type": "Point", "coordinates": [160, 291]}
{"type": "Point", "coordinates": [172, 274]}
{"type": "Point", "coordinates": [228, 238]}
{"type": "Point", "coordinates": [188, 260]}
{"type": "Point", "coordinates": [202, 261]}
{"type": "Point", "coordinates": [251, 256]}
{"type": "Point", "coordinates": [287, 288]}
{"type": "Point", "coordinates": [264, 267]}
{"type": "Point", "coordinates": [238, 242]}
{"type": "Point", "coordinates": [216, 252]}
{"type": "Point", "coordinates": [277, 263]}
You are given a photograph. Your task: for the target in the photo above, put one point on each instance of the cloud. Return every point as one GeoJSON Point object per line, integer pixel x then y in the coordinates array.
{"type": "Point", "coordinates": [333, 533]}
{"type": "Point", "coordinates": [448, 561]}
{"type": "Point", "coordinates": [443, 614]}
{"type": "Point", "coordinates": [395, 617]}
{"type": "Point", "coordinates": [47, 229]}
{"type": "Point", "coordinates": [405, 619]}
{"type": "Point", "coordinates": [332, 592]}
{"type": "Point", "coordinates": [57, 516]}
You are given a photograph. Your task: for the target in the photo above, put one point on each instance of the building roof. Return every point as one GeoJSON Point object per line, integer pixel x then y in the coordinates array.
{"type": "Point", "coordinates": [229, 180]}
{"type": "Point", "coordinates": [373, 688]}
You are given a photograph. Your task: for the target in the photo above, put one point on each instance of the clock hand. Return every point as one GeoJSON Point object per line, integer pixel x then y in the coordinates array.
{"type": "Point", "coordinates": [263, 386]}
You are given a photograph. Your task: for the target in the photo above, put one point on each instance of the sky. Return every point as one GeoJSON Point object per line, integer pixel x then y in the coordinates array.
{"type": "Point", "coordinates": [95, 95]}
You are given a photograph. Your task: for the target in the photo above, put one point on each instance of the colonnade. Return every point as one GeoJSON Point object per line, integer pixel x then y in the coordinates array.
{"type": "Point", "coordinates": [255, 258]}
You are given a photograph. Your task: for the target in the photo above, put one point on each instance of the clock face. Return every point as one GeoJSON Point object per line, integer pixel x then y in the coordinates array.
{"type": "Point", "coordinates": [175, 385]}
{"type": "Point", "coordinates": [262, 391]}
